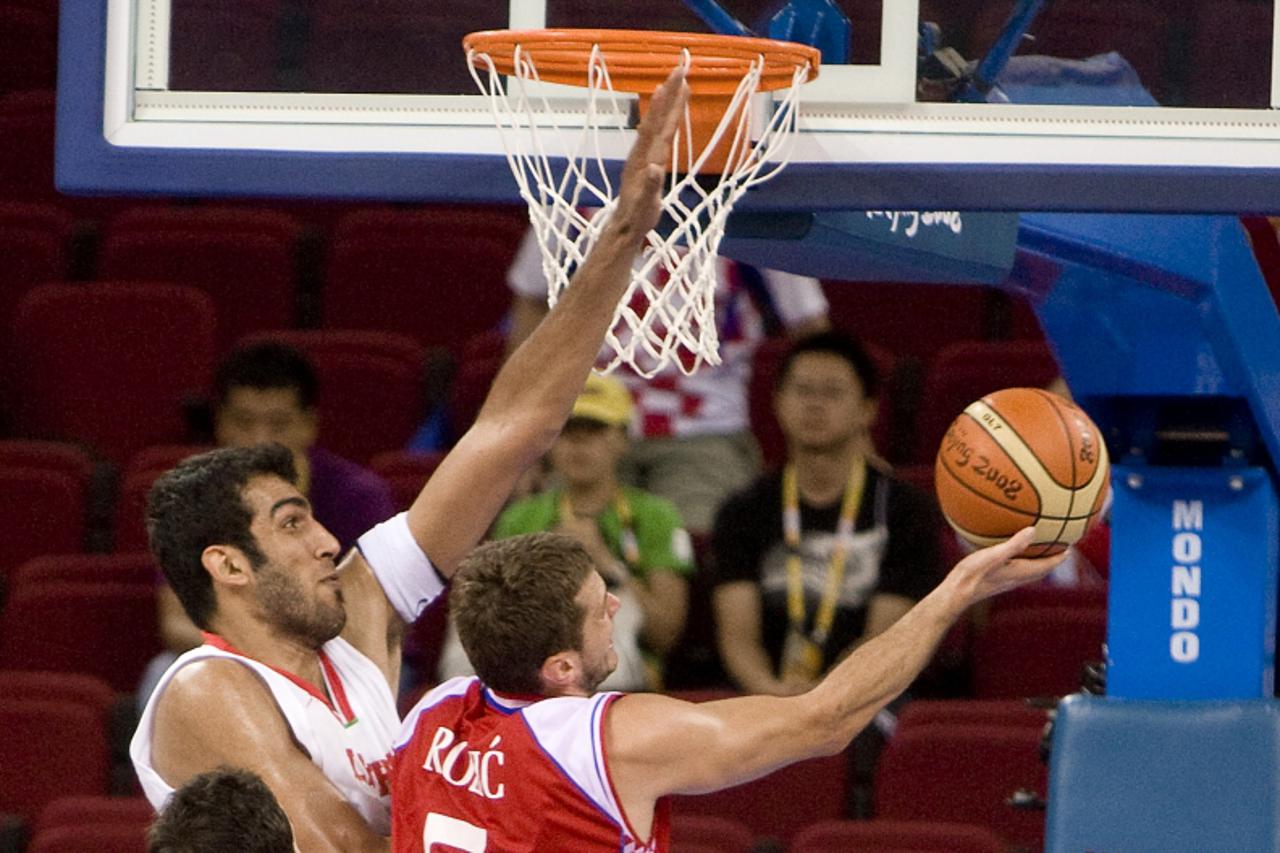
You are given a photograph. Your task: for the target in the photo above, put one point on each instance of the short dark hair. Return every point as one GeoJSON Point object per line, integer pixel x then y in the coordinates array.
{"type": "Point", "coordinates": [515, 604]}
{"type": "Point", "coordinates": [200, 503]}
{"type": "Point", "coordinates": [268, 365]}
{"type": "Point", "coordinates": [840, 345]}
{"type": "Point", "coordinates": [223, 809]}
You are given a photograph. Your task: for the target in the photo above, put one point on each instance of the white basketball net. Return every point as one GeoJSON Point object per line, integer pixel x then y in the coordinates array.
{"type": "Point", "coordinates": [668, 313]}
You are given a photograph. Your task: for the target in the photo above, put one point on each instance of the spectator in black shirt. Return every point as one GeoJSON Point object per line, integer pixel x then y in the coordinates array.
{"type": "Point", "coordinates": [820, 557]}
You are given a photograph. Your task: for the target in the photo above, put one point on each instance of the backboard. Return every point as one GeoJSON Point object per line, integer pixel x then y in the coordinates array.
{"type": "Point", "coordinates": [372, 99]}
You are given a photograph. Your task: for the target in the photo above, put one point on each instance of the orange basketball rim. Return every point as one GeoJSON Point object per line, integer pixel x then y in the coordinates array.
{"type": "Point", "coordinates": [639, 60]}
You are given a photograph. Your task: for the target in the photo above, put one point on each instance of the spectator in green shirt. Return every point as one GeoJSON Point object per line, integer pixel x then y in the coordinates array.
{"type": "Point", "coordinates": [636, 538]}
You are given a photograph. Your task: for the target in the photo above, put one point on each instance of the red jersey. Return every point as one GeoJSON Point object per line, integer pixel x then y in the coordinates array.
{"type": "Point", "coordinates": [474, 771]}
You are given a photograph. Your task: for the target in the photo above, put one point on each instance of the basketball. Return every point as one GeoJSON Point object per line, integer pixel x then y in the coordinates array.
{"type": "Point", "coordinates": [1022, 457]}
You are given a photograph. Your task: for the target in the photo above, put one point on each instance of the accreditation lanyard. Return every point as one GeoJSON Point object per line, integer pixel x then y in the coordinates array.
{"type": "Point", "coordinates": [627, 539]}
{"type": "Point", "coordinates": [826, 613]}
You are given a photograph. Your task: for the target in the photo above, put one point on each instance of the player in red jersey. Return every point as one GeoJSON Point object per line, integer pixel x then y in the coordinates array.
{"type": "Point", "coordinates": [527, 757]}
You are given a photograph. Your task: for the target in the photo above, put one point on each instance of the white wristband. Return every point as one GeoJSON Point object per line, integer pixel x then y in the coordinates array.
{"type": "Point", "coordinates": [404, 571]}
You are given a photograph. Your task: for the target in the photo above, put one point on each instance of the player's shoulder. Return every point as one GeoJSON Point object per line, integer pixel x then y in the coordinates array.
{"type": "Point", "coordinates": [229, 685]}
{"type": "Point", "coordinates": [566, 713]}
{"type": "Point", "coordinates": [461, 688]}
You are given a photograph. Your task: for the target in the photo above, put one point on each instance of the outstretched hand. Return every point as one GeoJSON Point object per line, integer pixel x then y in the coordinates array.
{"type": "Point", "coordinates": [998, 568]}
{"type": "Point", "coordinates": [640, 194]}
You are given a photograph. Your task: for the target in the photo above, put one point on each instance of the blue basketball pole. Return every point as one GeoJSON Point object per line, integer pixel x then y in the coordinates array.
{"type": "Point", "coordinates": [1167, 335]}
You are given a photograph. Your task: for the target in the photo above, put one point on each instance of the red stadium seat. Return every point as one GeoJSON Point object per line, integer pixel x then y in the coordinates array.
{"type": "Point", "coordinates": [405, 472]}
{"type": "Point", "coordinates": [963, 372]}
{"type": "Point", "coordinates": [109, 837]}
{"type": "Point", "coordinates": [245, 259]}
{"type": "Point", "coordinates": [926, 712]}
{"type": "Point", "coordinates": [770, 807]}
{"type": "Point", "coordinates": [41, 512]}
{"type": "Point", "coordinates": [1024, 325]}
{"type": "Point", "coordinates": [65, 687]}
{"type": "Point", "coordinates": [48, 456]}
{"type": "Point", "coordinates": [135, 567]}
{"type": "Point", "coordinates": [437, 274]}
{"type": "Point", "coordinates": [893, 836]}
{"type": "Point", "coordinates": [1036, 651]}
{"type": "Point", "coordinates": [110, 364]}
{"type": "Point", "coordinates": [33, 243]}
{"type": "Point", "coordinates": [1045, 595]}
{"type": "Point", "coordinates": [471, 386]}
{"type": "Point", "coordinates": [161, 457]}
{"type": "Point", "coordinates": [103, 629]}
{"type": "Point", "coordinates": [696, 833]}
{"type": "Point", "coordinates": [50, 749]}
{"type": "Point", "coordinates": [963, 774]}
{"type": "Point", "coordinates": [362, 373]}
{"type": "Point", "coordinates": [131, 501]}
{"type": "Point", "coordinates": [906, 318]}
{"type": "Point", "coordinates": [29, 45]}
{"type": "Point", "coordinates": [80, 811]}
{"type": "Point", "coordinates": [26, 138]}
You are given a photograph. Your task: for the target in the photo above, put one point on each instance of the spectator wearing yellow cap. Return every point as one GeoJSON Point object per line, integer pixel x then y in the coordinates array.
{"type": "Point", "coordinates": [636, 538]}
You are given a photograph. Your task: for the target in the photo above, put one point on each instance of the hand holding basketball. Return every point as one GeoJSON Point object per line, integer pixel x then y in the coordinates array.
{"type": "Point", "coordinates": [1002, 567]}
{"type": "Point", "coordinates": [1022, 457]}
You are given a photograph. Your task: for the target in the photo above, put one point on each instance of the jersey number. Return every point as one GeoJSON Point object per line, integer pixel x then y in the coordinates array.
{"type": "Point", "coordinates": [451, 832]}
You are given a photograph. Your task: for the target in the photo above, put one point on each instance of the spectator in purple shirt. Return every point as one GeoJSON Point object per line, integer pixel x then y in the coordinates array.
{"type": "Point", "coordinates": [267, 392]}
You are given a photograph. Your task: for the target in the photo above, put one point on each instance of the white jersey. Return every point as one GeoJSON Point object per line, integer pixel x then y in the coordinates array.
{"type": "Point", "coordinates": [712, 401]}
{"type": "Point", "coordinates": [349, 739]}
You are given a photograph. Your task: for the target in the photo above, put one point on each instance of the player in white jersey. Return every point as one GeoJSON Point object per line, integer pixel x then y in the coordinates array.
{"type": "Point", "coordinates": [526, 758]}
{"type": "Point", "coordinates": [295, 679]}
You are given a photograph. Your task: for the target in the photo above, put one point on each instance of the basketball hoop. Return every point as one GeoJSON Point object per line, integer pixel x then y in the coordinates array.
{"type": "Point", "coordinates": [668, 313]}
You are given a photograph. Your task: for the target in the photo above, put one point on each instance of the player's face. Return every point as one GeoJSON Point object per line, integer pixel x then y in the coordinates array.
{"type": "Point", "coordinates": [821, 405]}
{"type": "Point", "coordinates": [598, 656]}
{"type": "Point", "coordinates": [297, 589]}
{"type": "Point", "coordinates": [252, 416]}
{"type": "Point", "coordinates": [587, 451]}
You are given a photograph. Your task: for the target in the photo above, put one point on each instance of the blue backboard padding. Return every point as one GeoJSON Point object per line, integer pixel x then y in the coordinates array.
{"type": "Point", "coordinates": [1173, 777]}
{"type": "Point", "coordinates": [87, 164]}
{"type": "Point", "coordinates": [1155, 306]}
{"type": "Point", "coordinates": [946, 246]}
{"type": "Point", "coordinates": [1229, 615]}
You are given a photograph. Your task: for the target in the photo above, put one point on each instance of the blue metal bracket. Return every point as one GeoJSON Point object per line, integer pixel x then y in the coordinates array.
{"type": "Point", "coordinates": [978, 87]}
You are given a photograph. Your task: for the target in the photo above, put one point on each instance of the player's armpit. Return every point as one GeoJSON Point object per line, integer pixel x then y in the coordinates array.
{"type": "Point", "coordinates": [218, 713]}
{"type": "Point", "coordinates": [373, 626]}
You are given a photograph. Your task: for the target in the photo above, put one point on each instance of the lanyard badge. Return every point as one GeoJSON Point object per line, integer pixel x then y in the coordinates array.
{"type": "Point", "coordinates": [802, 653]}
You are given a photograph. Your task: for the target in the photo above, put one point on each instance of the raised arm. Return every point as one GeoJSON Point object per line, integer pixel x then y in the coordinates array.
{"type": "Point", "coordinates": [533, 394]}
{"type": "Point", "coordinates": [658, 745]}
{"type": "Point", "coordinates": [526, 408]}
